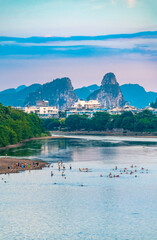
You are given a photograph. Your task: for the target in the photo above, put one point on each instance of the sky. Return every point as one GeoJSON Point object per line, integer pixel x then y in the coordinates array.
{"type": "Point", "coordinates": [80, 39]}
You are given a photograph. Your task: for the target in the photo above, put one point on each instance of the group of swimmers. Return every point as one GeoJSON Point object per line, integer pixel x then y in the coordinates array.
{"type": "Point", "coordinates": [126, 171]}
{"type": "Point", "coordinates": [61, 166]}
{"type": "Point", "coordinates": [116, 174]}
{"type": "Point", "coordinates": [83, 170]}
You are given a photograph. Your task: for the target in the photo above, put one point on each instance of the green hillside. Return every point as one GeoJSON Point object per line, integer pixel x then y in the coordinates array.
{"type": "Point", "coordinates": [16, 126]}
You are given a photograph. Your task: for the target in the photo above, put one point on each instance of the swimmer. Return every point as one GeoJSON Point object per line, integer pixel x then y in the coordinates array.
{"type": "Point", "coordinates": [115, 167]}
{"type": "Point", "coordinates": [51, 173]}
{"type": "Point", "coordinates": [101, 175]}
{"type": "Point", "coordinates": [70, 167]}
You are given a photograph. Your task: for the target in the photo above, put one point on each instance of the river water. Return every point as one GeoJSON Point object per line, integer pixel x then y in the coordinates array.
{"type": "Point", "coordinates": [36, 205]}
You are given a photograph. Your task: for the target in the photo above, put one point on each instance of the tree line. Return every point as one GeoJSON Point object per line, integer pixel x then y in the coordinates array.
{"type": "Point", "coordinates": [144, 121]}
{"type": "Point", "coordinates": [15, 126]}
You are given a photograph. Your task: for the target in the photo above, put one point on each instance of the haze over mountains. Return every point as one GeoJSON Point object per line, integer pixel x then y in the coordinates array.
{"type": "Point", "coordinates": [60, 93]}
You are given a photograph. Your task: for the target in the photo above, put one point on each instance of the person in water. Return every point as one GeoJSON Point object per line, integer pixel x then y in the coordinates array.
{"type": "Point", "coordinates": [70, 167]}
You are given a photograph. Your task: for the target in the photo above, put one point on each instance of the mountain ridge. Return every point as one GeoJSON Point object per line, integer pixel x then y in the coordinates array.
{"type": "Point", "coordinates": [134, 94]}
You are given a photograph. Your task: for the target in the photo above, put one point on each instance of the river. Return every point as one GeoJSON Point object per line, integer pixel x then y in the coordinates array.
{"type": "Point", "coordinates": [82, 205]}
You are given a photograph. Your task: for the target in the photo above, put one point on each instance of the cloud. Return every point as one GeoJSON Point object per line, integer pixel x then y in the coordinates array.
{"type": "Point", "coordinates": [41, 40]}
{"type": "Point", "coordinates": [122, 45]}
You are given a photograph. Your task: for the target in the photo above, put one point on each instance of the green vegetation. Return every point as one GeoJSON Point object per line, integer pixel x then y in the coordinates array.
{"type": "Point", "coordinates": [144, 121]}
{"type": "Point", "coordinates": [15, 126]}
{"type": "Point", "coordinates": [154, 105]}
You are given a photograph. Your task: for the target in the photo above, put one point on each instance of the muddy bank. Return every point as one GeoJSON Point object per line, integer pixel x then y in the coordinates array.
{"type": "Point", "coordinates": [14, 165]}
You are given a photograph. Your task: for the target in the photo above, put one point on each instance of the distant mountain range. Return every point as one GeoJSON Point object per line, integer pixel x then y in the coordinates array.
{"type": "Point", "coordinates": [17, 97]}
{"type": "Point", "coordinates": [137, 96]}
{"type": "Point", "coordinates": [134, 94]}
{"type": "Point", "coordinates": [84, 92]}
{"type": "Point", "coordinates": [61, 94]}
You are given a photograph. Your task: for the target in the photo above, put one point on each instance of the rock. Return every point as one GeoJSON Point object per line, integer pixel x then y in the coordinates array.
{"type": "Point", "coordinates": [109, 94]}
{"type": "Point", "coordinates": [59, 93]}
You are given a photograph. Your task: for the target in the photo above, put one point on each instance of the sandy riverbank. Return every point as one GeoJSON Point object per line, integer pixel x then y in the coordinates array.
{"type": "Point", "coordinates": [13, 165]}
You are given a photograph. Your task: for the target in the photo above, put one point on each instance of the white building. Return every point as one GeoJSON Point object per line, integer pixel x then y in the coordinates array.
{"type": "Point", "coordinates": [91, 104]}
{"type": "Point", "coordinates": [120, 110]}
{"type": "Point", "coordinates": [42, 111]}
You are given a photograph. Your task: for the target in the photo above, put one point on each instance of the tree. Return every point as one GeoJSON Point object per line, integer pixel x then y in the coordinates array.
{"type": "Point", "coordinates": [77, 122]}
{"type": "Point", "coordinates": [100, 121]}
{"type": "Point", "coordinates": [15, 125]}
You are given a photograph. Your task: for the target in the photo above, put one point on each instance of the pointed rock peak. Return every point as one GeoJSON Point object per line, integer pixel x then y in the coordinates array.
{"type": "Point", "coordinates": [109, 78]}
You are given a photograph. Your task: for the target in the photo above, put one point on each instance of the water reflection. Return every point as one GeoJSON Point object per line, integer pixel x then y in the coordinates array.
{"type": "Point", "coordinates": [86, 149]}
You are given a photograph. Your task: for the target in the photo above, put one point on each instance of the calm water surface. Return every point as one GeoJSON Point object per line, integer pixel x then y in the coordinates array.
{"type": "Point", "coordinates": [34, 205]}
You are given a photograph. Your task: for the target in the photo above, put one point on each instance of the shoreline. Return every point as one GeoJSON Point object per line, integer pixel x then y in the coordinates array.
{"type": "Point", "coordinates": [107, 134]}
{"type": "Point", "coordinates": [28, 140]}
{"type": "Point", "coordinates": [13, 165]}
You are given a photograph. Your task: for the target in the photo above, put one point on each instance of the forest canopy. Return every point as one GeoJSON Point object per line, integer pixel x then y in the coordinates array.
{"type": "Point", "coordinates": [15, 126]}
{"type": "Point", "coordinates": [144, 121]}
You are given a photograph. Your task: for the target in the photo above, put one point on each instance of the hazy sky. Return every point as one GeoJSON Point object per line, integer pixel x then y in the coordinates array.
{"type": "Point", "coordinates": [24, 60]}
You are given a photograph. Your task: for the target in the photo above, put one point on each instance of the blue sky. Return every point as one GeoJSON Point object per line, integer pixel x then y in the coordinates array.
{"type": "Point", "coordinates": [57, 50]}
{"type": "Point", "coordinates": [76, 17]}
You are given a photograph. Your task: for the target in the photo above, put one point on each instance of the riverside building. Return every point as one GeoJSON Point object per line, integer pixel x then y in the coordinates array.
{"type": "Point", "coordinates": [42, 109]}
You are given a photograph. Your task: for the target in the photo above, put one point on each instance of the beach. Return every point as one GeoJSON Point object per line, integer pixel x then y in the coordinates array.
{"type": "Point", "coordinates": [14, 165]}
